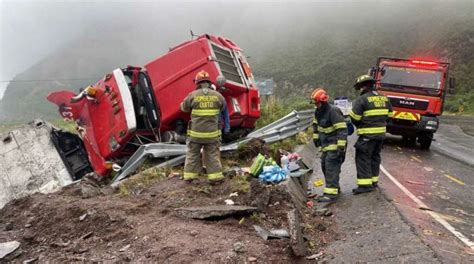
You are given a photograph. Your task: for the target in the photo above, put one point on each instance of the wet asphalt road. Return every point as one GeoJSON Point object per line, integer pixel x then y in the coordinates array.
{"type": "Point", "coordinates": [441, 181]}
{"type": "Point", "coordinates": [387, 225]}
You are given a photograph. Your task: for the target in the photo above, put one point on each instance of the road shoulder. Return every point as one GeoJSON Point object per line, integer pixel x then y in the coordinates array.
{"type": "Point", "coordinates": [372, 229]}
{"type": "Point", "coordinates": [451, 141]}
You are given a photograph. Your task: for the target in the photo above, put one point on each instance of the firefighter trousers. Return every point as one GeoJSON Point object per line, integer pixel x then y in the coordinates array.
{"type": "Point", "coordinates": [368, 160]}
{"type": "Point", "coordinates": [331, 163]}
{"type": "Point", "coordinates": [211, 157]}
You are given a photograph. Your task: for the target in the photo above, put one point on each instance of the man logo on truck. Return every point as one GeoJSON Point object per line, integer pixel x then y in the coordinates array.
{"type": "Point", "coordinates": [403, 102]}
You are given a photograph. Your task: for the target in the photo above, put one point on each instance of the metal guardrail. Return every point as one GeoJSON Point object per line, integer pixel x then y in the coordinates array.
{"type": "Point", "coordinates": [157, 150]}
{"type": "Point", "coordinates": [285, 127]}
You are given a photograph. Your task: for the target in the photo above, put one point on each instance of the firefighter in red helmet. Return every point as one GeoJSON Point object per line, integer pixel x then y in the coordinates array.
{"type": "Point", "coordinates": [330, 136]}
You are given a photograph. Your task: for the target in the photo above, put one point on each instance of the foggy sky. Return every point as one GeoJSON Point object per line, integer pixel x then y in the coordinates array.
{"type": "Point", "coordinates": [30, 30]}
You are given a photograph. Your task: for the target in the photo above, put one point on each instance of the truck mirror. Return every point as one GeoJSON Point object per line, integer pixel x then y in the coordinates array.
{"type": "Point", "coordinates": [220, 81]}
{"type": "Point", "coordinates": [371, 71]}
{"type": "Point", "coordinates": [452, 85]}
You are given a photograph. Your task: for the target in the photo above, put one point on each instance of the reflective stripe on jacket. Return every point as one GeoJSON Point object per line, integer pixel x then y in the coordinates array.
{"type": "Point", "coordinates": [330, 128]}
{"type": "Point", "coordinates": [370, 113]}
{"type": "Point", "coordinates": [205, 106]}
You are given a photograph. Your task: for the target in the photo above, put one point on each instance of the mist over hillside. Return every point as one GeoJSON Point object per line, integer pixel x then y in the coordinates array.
{"type": "Point", "coordinates": [300, 45]}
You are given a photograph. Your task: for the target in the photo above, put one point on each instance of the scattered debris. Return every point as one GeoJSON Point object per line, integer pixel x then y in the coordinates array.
{"type": "Point", "coordinates": [315, 256]}
{"type": "Point", "coordinates": [239, 247]}
{"type": "Point", "coordinates": [229, 202]}
{"type": "Point", "coordinates": [87, 235]}
{"type": "Point", "coordinates": [297, 242]}
{"type": "Point", "coordinates": [281, 233]}
{"type": "Point", "coordinates": [82, 217]}
{"type": "Point", "coordinates": [159, 204]}
{"type": "Point", "coordinates": [425, 208]}
{"type": "Point", "coordinates": [272, 234]}
{"type": "Point", "coordinates": [216, 211]}
{"type": "Point", "coordinates": [415, 182]}
{"type": "Point", "coordinates": [124, 248]}
{"type": "Point", "coordinates": [174, 174]}
{"type": "Point", "coordinates": [427, 232]}
{"type": "Point", "coordinates": [8, 247]}
{"type": "Point", "coordinates": [428, 169]}
{"type": "Point", "coordinates": [318, 182]}
{"type": "Point", "coordinates": [60, 243]}
{"type": "Point", "coordinates": [31, 260]}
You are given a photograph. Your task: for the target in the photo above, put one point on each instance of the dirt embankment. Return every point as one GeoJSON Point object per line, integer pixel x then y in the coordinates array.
{"type": "Point", "coordinates": [140, 224]}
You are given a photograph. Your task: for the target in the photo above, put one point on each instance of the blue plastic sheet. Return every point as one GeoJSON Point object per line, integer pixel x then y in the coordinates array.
{"type": "Point", "coordinates": [273, 174]}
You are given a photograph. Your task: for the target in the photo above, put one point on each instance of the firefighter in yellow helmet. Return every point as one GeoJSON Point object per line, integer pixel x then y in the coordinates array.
{"type": "Point", "coordinates": [369, 114]}
{"type": "Point", "coordinates": [205, 105]}
{"type": "Point", "coordinates": [330, 136]}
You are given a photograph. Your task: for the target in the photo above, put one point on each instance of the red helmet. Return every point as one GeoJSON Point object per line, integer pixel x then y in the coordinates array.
{"type": "Point", "coordinates": [202, 76]}
{"type": "Point", "coordinates": [319, 95]}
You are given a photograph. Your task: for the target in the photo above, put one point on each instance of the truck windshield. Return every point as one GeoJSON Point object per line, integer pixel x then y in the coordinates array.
{"type": "Point", "coordinates": [401, 77]}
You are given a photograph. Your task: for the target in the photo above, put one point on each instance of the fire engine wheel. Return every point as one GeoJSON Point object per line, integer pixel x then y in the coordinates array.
{"type": "Point", "coordinates": [409, 141]}
{"type": "Point", "coordinates": [425, 141]}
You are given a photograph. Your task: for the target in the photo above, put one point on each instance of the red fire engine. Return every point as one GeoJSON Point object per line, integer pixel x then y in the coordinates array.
{"type": "Point", "coordinates": [417, 89]}
{"type": "Point", "coordinates": [138, 105]}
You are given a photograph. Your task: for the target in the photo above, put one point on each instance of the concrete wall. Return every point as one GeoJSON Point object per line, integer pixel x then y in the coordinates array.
{"type": "Point", "coordinates": [29, 162]}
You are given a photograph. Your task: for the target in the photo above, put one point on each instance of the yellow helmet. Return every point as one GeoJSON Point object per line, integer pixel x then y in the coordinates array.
{"type": "Point", "coordinates": [363, 79]}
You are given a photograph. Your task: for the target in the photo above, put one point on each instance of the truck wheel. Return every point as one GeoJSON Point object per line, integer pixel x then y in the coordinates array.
{"type": "Point", "coordinates": [409, 141]}
{"type": "Point", "coordinates": [425, 141]}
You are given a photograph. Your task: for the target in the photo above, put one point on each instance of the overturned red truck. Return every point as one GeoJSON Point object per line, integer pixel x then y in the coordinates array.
{"type": "Point", "coordinates": [133, 106]}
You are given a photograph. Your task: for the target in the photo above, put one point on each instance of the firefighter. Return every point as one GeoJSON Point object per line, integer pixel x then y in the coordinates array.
{"type": "Point", "coordinates": [369, 114]}
{"type": "Point", "coordinates": [205, 105]}
{"type": "Point", "coordinates": [330, 136]}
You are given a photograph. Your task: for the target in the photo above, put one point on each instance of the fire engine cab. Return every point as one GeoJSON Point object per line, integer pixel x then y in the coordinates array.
{"type": "Point", "coordinates": [417, 89]}
{"type": "Point", "coordinates": [133, 106]}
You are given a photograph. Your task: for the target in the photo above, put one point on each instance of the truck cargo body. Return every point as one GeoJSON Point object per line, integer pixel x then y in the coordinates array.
{"type": "Point", "coordinates": [138, 105]}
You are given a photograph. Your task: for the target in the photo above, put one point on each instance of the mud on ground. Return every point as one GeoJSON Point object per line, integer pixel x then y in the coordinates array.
{"type": "Point", "coordinates": [139, 224]}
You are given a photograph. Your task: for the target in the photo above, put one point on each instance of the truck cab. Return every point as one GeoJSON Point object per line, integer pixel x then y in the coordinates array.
{"type": "Point", "coordinates": [416, 89]}
{"type": "Point", "coordinates": [133, 106]}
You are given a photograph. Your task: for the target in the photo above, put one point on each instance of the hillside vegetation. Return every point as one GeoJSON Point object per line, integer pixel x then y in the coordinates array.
{"type": "Point", "coordinates": [333, 60]}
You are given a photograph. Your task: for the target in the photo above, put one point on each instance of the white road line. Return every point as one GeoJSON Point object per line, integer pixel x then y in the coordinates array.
{"type": "Point", "coordinates": [435, 215]}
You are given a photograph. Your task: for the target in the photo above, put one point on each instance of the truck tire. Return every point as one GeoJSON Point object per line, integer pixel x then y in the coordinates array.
{"type": "Point", "coordinates": [409, 141]}
{"type": "Point", "coordinates": [425, 141]}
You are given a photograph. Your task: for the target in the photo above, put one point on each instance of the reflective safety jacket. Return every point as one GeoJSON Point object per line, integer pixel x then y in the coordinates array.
{"type": "Point", "coordinates": [330, 128]}
{"type": "Point", "coordinates": [205, 106]}
{"type": "Point", "coordinates": [370, 113]}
